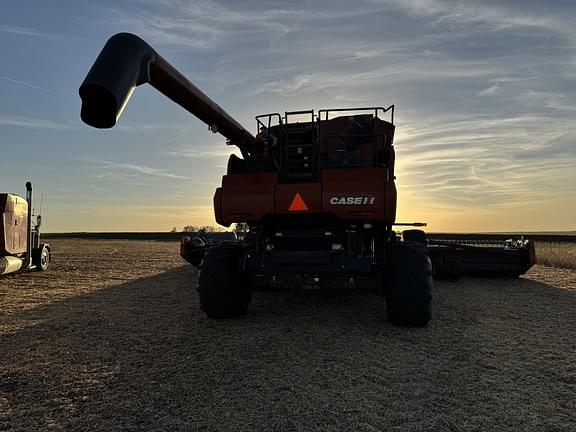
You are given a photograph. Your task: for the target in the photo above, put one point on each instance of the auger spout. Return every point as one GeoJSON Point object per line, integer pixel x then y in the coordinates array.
{"type": "Point", "coordinates": [125, 62]}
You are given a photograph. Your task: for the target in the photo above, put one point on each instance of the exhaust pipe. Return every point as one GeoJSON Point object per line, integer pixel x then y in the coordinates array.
{"type": "Point", "coordinates": [125, 62]}
{"type": "Point", "coordinates": [28, 255]}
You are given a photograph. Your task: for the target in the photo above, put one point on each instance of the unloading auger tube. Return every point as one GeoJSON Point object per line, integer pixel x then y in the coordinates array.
{"type": "Point", "coordinates": [125, 62]}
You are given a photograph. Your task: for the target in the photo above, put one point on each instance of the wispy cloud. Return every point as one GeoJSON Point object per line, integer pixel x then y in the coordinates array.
{"type": "Point", "coordinates": [494, 16]}
{"type": "Point", "coordinates": [218, 152]}
{"type": "Point", "coordinates": [116, 177]}
{"type": "Point", "coordinates": [484, 164]}
{"type": "Point", "coordinates": [27, 84]}
{"type": "Point", "coordinates": [484, 93]}
{"type": "Point", "coordinates": [152, 127]}
{"type": "Point", "coordinates": [199, 25]}
{"type": "Point", "coordinates": [25, 31]}
{"type": "Point", "coordinates": [402, 71]}
{"type": "Point", "coordinates": [489, 90]}
{"type": "Point", "coordinates": [129, 168]}
{"type": "Point", "coordinates": [34, 123]}
{"type": "Point", "coordinates": [204, 24]}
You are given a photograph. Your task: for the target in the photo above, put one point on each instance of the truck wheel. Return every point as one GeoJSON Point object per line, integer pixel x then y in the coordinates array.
{"type": "Point", "coordinates": [41, 257]}
{"type": "Point", "coordinates": [409, 291]}
{"type": "Point", "coordinates": [223, 289]}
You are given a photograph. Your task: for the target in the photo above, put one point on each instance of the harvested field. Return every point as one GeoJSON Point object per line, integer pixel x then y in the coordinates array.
{"type": "Point", "coordinates": [112, 338]}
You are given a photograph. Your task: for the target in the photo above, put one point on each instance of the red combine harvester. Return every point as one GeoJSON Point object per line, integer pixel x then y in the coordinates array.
{"type": "Point", "coordinates": [20, 247]}
{"type": "Point", "coordinates": [317, 191]}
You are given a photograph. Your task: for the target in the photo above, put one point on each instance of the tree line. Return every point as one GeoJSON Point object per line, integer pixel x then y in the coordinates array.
{"type": "Point", "coordinates": [239, 227]}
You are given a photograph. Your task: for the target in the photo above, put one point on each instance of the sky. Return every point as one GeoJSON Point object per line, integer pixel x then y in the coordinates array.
{"type": "Point", "coordinates": [485, 97]}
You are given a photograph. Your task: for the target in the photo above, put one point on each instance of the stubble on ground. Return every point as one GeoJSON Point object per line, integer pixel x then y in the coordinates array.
{"type": "Point", "coordinates": [112, 338]}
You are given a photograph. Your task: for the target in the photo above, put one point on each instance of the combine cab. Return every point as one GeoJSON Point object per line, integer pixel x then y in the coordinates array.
{"type": "Point", "coordinates": [20, 247]}
{"type": "Point", "coordinates": [317, 190]}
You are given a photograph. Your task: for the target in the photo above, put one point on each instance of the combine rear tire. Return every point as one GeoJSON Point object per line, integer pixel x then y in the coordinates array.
{"type": "Point", "coordinates": [223, 289]}
{"type": "Point", "coordinates": [409, 292]}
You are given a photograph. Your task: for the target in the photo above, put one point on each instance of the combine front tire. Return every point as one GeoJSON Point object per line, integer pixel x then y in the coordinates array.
{"type": "Point", "coordinates": [223, 291]}
{"type": "Point", "coordinates": [409, 292]}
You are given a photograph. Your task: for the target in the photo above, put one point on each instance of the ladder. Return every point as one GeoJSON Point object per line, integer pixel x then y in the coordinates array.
{"type": "Point", "coordinates": [298, 149]}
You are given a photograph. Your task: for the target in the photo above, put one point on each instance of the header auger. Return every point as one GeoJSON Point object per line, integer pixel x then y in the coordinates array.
{"type": "Point", "coordinates": [317, 190]}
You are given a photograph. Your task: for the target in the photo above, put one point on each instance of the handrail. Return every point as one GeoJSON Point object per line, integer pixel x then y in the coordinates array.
{"type": "Point", "coordinates": [376, 110]}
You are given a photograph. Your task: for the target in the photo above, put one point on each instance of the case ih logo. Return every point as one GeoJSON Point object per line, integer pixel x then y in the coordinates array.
{"type": "Point", "coordinates": [352, 200]}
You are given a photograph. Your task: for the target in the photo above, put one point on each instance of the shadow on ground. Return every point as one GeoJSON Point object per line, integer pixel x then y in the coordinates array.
{"type": "Point", "coordinates": [499, 355]}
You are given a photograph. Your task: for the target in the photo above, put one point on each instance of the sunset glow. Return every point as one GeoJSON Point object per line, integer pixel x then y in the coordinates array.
{"type": "Point", "coordinates": [484, 96]}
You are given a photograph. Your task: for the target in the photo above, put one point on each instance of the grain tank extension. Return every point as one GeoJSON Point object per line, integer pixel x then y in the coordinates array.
{"type": "Point", "coordinates": [20, 247]}
{"type": "Point", "coordinates": [316, 189]}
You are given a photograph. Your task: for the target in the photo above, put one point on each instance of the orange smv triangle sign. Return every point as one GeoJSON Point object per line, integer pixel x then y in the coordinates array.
{"type": "Point", "coordinates": [298, 204]}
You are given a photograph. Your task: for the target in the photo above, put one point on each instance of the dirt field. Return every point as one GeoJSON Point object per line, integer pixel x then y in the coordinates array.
{"type": "Point", "coordinates": [112, 338]}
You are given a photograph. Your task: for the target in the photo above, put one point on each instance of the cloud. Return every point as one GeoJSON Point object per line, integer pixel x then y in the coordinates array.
{"type": "Point", "coordinates": [489, 90]}
{"type": "Point", "coordinates": [479, 165]}
{"type": "Point", "coordinates": [27, 84]}
{"type": "Point", "coordinates": [152, 127]}
{"type": "Point", "coordinates": [295, 85]}
{"type": "Point", "coordinates": [206, 24]}
{"type": "Point", "coordinates": [463, 13]}
{"type": "Point", "coordinates": [558, 145]}
{"type": "Point", "coordinates": [142, 170]}
{"type": "Point", "coordinates": [29, 122]}
{"type": "Point", "coordinates": [218, 151]}
{"type": "Point", "coordinates": [483, 91]}
{"type": "Point", "coordinates": [115, 176]}
{"type": "Point", "coordinates": [199, 24]}
{"type": "Point", "coordinates": [374, 81]}
{"type": "Point", "coordinates": [25, 31]}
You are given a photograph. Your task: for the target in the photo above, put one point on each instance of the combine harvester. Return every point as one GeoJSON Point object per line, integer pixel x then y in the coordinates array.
{"type": "Point", "coordinates": [317, 191]}
{"type": "Point", "coordinates": [20, 247]}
